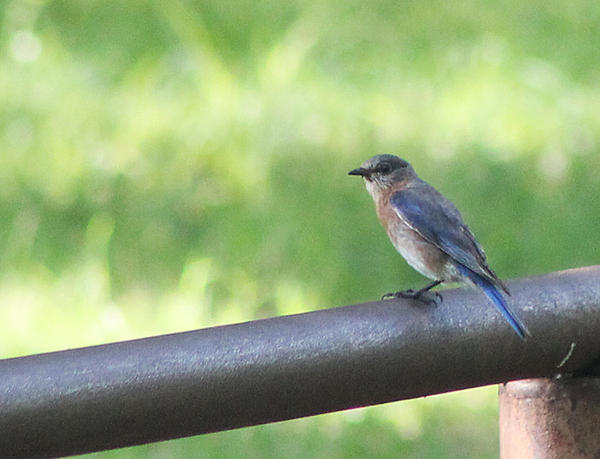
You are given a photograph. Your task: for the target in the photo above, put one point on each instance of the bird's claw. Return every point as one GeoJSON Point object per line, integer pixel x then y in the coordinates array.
{"type": "Point", "coordinates": [426, 297]}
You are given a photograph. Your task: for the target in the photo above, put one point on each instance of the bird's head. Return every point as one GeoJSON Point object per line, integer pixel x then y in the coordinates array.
{"type": "Point", "coordinates": [383, 171]}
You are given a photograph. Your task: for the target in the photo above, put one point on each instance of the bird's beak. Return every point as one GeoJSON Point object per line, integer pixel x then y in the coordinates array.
{"type": "Point", "coordinates": [360, 171]}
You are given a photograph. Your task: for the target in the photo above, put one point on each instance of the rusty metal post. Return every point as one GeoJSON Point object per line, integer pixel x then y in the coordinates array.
{"type": "Point", "coordinates": [550, 418]}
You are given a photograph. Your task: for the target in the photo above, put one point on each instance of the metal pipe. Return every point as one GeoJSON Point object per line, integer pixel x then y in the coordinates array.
{"type": "Point", "coordinates": [550, 418]}
{"type": "Point", "coordinates": [171, 386]}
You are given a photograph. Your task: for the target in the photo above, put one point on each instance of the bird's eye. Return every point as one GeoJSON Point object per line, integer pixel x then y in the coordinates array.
{"type": "Point", "coordinates": [385, 168]}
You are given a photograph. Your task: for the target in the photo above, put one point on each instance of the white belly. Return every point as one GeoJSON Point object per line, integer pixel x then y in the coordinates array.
{"type": "Point", "coordinates": [419, 253]}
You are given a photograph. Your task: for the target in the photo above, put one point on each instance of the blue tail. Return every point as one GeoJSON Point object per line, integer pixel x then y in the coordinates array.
{"type": "Point", "coordinates": [493, 294]}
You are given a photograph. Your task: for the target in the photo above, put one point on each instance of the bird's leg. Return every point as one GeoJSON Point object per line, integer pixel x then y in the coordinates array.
{"type": "Point", "coordinates": [423, 294]}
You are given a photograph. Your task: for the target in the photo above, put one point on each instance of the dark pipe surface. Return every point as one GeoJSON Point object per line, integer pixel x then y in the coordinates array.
{"type": "Point", "coordinates": [170, 386]}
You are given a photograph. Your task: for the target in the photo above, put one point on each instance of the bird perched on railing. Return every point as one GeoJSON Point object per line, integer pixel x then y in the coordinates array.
{"type": "Point", "coordinates": [429, 232]}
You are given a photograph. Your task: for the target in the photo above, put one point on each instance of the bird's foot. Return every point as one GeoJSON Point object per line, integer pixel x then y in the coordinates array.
{"type": "Point", "coordinates": [423, 295]}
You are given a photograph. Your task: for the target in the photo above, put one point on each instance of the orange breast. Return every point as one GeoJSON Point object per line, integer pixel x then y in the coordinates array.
{"type": "Point", "coordinates": [422, 255]}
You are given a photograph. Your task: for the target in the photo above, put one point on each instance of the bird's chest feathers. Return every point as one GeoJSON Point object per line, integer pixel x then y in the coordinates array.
{"type": "Point", "coordinates": [418, 252]}
{"type": "Point", "coordinates": [398, 231]}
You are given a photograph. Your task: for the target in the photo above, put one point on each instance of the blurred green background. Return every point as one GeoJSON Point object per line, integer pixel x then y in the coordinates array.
{"type": "Point", "coordinates": [166, 166]}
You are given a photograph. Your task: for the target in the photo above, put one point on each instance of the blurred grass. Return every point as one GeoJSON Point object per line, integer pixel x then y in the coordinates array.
{"type": "Point", "coordinates": [174, 165]}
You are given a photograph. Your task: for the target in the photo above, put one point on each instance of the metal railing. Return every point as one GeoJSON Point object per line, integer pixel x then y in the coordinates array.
{"type": "Point", "coordinates": [184, 384]}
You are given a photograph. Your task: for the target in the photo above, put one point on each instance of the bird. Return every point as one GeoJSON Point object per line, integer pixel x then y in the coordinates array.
{"type": "Point", "coordinates": [429, 232]}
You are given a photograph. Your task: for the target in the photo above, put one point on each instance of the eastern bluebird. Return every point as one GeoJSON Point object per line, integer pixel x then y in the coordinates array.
{"type": "Point", "coordinates": [429, 232]}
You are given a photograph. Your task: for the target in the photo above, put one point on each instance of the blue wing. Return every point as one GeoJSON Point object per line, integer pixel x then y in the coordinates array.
{"type": "Point", "coordinates": [437, 220]}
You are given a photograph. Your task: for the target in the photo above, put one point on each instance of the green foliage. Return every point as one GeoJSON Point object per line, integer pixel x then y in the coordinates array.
{"type": "Point", "coordinates": [175, 165]}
